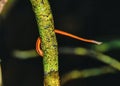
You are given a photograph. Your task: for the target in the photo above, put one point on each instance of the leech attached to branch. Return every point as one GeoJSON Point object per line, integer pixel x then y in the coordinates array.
{"type": "Point", "coordinates": [38, 42]}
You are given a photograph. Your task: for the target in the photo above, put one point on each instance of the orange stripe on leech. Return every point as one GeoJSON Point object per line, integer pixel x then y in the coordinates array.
{"type": "Point", "coordinates": [76, 37]}
{"type": "Point", "coordinates": [38, 49]}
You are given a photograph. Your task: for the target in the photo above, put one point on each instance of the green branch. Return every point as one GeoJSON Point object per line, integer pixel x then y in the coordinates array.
{"type": "Point", "coordinates": [111, 61]}
{"type": "Point", "coordinates": [49, 44]}
{"type": "Point", "coordinates": [76, 74]}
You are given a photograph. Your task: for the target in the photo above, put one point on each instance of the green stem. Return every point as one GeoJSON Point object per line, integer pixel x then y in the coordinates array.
{"type": "Point", "coordinates": [49, 44]}
{"type": "Point", "coordinates": [76, 74]}
{"type": "Point", "coordinates": [1, 83]}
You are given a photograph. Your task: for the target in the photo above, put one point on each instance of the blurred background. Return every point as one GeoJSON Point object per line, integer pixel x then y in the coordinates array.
{"type": "Point", "coordinates": [92, 19]}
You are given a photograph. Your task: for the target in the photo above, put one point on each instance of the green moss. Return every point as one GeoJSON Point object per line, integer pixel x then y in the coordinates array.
{"type": "Point", "coordinates": [49, 44]}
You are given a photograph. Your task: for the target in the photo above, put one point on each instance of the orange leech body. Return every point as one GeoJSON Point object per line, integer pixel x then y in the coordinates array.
{"type": "Point", "coordinates": [38, 42]}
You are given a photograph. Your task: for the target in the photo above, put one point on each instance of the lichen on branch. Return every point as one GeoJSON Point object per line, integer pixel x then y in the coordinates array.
{"type": "Point", "coordinates": [49, 44]}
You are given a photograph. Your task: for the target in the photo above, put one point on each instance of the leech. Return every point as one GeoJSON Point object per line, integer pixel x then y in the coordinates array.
{"type": "Point", "coordinates": [38, 48]}
{"type": "Point", "coordinates": [38, 42]}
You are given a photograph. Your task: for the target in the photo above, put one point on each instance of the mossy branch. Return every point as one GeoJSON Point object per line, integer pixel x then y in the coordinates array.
{"type": "Point", "coordinates": [49, 44]}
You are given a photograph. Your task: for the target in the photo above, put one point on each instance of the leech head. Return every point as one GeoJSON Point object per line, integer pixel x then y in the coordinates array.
{"type": "Point", "coordinates": [96, 42]}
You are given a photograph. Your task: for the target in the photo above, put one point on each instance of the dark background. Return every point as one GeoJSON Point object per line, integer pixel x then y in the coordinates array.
{"type": "Point", "coordinates": [96, 19]}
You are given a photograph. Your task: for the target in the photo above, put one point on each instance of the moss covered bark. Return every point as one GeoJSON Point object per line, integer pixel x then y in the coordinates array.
{"type": "Point", "coordinates": [49, 44]}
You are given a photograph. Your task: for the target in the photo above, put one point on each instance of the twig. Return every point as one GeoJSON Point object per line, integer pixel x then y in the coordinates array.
{"type": "Point", "coordinates": [94, 54]}
{"type": "Point", "coordinates": [2, 4]}
{"type": "Point", "coordinates": [49, 45]}
{"type": "Point", "coordinates": [75, 74]}
{"type": "Point", "coordinates": [0, 76]}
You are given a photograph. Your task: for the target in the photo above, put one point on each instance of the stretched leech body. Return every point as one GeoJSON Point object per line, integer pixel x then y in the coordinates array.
{"type": "Point", "coordinates": [38, 42]}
